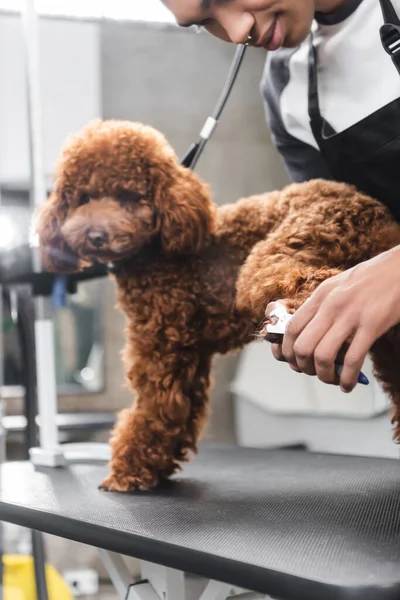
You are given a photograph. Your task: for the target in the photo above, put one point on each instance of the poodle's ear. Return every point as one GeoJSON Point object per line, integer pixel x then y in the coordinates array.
{"type": "Point", "coordinates": [185, 213]}
{"type": "Point", "coordinates": [56, 256]}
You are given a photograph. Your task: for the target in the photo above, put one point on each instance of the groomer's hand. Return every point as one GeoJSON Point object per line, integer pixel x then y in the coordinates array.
{"type": "Point", "coordinates": [346, 313]}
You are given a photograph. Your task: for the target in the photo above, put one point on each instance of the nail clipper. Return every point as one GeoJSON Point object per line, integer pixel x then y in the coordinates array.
{"type": "Point", "coordinates": [282, 318]}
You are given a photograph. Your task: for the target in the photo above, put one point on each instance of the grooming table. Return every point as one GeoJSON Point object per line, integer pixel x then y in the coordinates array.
{"type": "Point", "coordinates": [294, 525]}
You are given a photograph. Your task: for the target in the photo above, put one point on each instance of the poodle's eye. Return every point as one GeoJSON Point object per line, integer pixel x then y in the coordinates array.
{"type": "Point", "coordinates": [126, 197]}
{"type": "Point", "coordinates": [84, 199]}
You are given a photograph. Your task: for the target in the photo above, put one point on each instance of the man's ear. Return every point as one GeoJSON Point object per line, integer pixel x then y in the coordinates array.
{"type": "Point", "coordinates": [55, 254]}
{"type": "Point", "coordinates": [185, 212]}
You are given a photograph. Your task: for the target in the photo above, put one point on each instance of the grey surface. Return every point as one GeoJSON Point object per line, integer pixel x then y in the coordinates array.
{"type": "Point", "coordinates": [291, 524]}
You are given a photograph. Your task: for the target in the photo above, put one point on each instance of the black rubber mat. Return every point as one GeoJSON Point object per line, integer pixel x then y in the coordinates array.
{"type": "Point", "coordinates": [295, 525]}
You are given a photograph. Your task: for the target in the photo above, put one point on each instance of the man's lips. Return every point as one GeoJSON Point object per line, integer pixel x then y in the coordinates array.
{"type": "Point", "coordinates": [274, 36]}
{"type": "Point", "coordinates": [264, 39]}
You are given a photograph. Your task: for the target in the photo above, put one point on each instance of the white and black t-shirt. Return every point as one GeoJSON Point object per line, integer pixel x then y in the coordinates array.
{"type": "Point", "coordinates": [356, 77]}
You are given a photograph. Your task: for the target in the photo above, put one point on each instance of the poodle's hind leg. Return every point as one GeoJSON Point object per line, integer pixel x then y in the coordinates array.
{"type": "Point", "coordinates": [385, 355]}
{"type": "Point", "coordinates": [153, 437]}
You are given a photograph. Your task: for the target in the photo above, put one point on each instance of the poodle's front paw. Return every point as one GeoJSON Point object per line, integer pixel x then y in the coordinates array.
{"type": "Point", "coordinates": [129, 483]}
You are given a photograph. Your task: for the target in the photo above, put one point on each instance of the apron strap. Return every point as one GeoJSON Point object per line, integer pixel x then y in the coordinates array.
{"type": "Point", "coordinates": [390, 32]}
{"type": "Point", "coordinates": [389, 14]}
{"type": "Point", "coordinates": [320, 128]}
{"type": "Point", "coordinates": [313, 100]}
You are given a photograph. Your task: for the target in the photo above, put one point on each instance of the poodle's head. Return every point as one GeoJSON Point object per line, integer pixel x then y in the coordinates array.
{"type": "Point", "coordinates": [119, 187]}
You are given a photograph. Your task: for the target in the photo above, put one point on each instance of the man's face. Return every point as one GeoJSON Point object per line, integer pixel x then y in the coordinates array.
{"type": "Point", "coordinates": [270, 23]}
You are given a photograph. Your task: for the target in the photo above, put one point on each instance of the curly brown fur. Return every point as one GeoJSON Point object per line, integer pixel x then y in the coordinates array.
{"type": "Point", "coordinates": [193, 280]}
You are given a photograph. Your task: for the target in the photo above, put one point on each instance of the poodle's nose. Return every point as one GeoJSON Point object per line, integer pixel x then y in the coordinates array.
{"type": "Point", "coordinates": [97, 238]}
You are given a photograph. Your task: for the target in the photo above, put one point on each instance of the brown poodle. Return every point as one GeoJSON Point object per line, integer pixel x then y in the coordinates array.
{"type": "Point", "coordinates": [194, 280]}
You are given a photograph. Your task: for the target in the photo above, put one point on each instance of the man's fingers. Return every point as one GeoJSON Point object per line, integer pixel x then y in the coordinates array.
{"type": "Point", "coordinates": [277, 352]}
{"type": "Point", "coordinates": [278, 355]}
{"type": "Point", "coordinates": [330, 349]}
{"type": "Point", "coordinates": [311, 324]}
{"type": "Point", "coordinates": [354, 359]}
{"type": "Point", "coordinates": [302, 335]}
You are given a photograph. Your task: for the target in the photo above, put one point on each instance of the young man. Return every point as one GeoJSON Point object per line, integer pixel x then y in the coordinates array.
{"type": "Point", "coordinates": [332, 93]}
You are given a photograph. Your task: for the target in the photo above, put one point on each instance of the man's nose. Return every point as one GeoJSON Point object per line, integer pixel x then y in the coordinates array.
{"type": "Point", "coordinates": [238, 25]}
